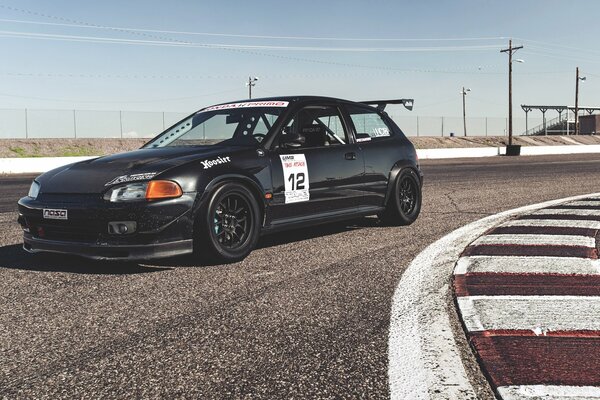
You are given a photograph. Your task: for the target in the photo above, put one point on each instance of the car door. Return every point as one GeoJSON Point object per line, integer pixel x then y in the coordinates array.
{"type": "Point", "coordinates": [381, 151]}
{"type": "Point", "coordinates": [322, 177]}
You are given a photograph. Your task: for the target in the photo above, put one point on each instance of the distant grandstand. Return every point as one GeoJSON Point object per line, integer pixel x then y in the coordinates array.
{"type": "Point", "coordinates": [564, 123]}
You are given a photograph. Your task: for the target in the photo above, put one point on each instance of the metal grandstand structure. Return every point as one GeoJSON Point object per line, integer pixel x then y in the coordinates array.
{"type": "Point", "coordinates": [561, 125]}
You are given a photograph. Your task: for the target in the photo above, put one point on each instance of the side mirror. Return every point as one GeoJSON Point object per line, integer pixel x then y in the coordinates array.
{"type": "Point", "coordinates": [291, 140]}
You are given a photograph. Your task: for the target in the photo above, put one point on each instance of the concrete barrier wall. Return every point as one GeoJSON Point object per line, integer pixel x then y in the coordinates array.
{"type": "Point", "coordinates": [43, 164]}
{"type": "Point", "coordinates": [35, 164]}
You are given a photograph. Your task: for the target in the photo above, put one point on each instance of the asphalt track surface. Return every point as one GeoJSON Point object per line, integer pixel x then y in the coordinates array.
{"type": "Point", "coordinates": [305, 315]}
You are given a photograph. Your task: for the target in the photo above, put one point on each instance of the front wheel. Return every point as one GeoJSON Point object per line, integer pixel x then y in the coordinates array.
{"type": "Point", "coordinates": [404, 204]}
{"type": "Point", "coordinates": [229, 228]}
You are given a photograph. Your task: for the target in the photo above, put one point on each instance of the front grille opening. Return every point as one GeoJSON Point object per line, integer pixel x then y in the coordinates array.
{"type": "Point", "coordinates": [87, 232]}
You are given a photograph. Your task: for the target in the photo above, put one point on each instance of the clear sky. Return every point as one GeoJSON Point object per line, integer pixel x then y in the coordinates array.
{"type": "Point", "coordinates": [64, 57]}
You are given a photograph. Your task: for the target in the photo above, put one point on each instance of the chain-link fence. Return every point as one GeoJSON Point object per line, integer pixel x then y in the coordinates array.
{"type": "Point", "coordinates": [23, 124]}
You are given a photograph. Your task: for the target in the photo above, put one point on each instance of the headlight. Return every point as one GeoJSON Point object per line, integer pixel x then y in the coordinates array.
{"type": "Point", "coordinates": [152, 190]}
{"type": "Point", "coordinates": [130, 192]}
{"type": "Point", "coordinates": [34, 190]}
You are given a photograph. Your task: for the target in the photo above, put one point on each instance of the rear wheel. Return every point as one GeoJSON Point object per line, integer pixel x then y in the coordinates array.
{"type": "Point", "coordinates": [404, 205]}
{"type": "Point", "coordinates": [229, 227]}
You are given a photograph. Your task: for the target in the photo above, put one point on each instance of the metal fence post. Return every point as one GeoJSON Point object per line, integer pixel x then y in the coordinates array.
{"type": "Point", "coordinates": [417, 126]}
{"type": "Point", "coordinates": [442, 126]}
{"type": "Point", "coordinates": [163, 115]}
{"type": "Point", "coordinates": [121, 122]}
{"type": "Point", "coordinates": [26, 126]}
{"type": "Point", "coordinates": [74, 125]}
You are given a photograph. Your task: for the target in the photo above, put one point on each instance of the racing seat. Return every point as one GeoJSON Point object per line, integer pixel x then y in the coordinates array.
{"type": "Point", "coordinates": [315, 135]}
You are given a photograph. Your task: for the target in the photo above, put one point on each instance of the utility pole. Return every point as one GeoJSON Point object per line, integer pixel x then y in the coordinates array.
{"type": "Point", "coordinates": [464, 95]}
{"type": "Point", "coordinates": [577, 79]}
{"type": "Point", "coordinates": [510, 52]}
{"type": "Point", "coordinates": [251, 82]}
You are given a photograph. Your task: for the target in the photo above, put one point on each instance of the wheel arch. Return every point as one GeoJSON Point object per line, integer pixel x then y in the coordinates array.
{"type": "Point", "coordinates": [254, 187]}
{"type": "Point", "coordinates": [394, 172]}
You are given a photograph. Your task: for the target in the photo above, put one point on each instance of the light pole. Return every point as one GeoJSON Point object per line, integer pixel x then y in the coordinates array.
{"type": "Point", "coordinates": [464, 95]}
{"type": "Point", "coordinates": [251, 82]}
{"type": "Point", "coordinates": [577, 79]}
{"type": "Point", "coordinates": [510, 52]}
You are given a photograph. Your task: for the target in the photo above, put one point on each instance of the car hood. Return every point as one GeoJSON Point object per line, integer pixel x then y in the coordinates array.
{"type": "Point", "coordinates": [95, 175]}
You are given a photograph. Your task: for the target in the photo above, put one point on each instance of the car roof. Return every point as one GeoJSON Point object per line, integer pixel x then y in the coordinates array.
{"type": "Point", "coordinates": [292, 99]}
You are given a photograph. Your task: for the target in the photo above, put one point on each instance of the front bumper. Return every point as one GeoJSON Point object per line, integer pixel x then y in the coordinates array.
{"type": "Point", "coordinates": [163, 228]}
{"type": "Point", "coordinates": [108, 252]}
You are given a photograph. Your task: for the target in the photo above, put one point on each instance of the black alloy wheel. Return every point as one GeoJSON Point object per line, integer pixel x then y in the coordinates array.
{"type": "Point", "coordinates": [404, 205]}
{"type": "Point", "coordinates": [229, 227]}
{"type": "Point", "coordinates": [407, 195]}
{"type": "Point", "coordinates": [232, 220]}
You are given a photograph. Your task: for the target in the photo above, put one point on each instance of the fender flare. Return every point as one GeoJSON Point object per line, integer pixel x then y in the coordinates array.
{"type": "Point", "coordinates": [395, 171]}
{"type": "Point", "coordinates": [254, 187]}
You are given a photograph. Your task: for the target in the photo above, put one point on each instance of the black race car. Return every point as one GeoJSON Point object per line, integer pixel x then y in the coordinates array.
{"type": "Point", "coordinates": [217, 180]}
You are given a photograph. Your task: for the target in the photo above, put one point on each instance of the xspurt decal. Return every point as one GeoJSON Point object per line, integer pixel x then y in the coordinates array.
{"type": "Point", "coordinates": [219, 160]}
{"type": "Point", "coordinates": [130, 178]}
{"type": "Point", "coordinates": [295, 177]}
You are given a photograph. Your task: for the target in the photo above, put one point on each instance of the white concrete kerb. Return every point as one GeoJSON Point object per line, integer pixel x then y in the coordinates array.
{"type": "Point", "coordinates": [424, 359]}
{"type": "Point", "coordinates": [43, 164]}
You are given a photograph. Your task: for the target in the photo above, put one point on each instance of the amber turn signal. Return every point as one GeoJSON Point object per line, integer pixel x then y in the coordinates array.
{"type": "Point", "coordinates": [162, 190]}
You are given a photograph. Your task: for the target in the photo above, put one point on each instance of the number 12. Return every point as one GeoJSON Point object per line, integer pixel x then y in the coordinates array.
{"type": "Point", "coordinates": [298, 179]}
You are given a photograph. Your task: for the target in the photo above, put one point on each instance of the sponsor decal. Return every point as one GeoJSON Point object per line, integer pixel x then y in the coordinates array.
{"type": "Point", "coordinates": [131, 178]}
{"type": "Point", "coordinates": [51, 213]}
{"type": "Point", "coordinates": [295, 176]}
{"type": "Point", "coordinates": [219, 160]}
{"type": "Point", "coordinates": [365, 139]}
{"type": "Point", "coordinates": [248, 104]}
{"type": "Point", "coordinates": [379, 132]}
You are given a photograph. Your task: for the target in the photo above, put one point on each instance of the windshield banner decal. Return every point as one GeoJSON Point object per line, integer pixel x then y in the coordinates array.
{"type": "Point", "coordinates": [248, 104]}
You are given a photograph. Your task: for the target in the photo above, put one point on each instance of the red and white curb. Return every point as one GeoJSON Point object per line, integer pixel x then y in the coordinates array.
{"type": "Point", "coordinates": [424, 360]}
{"type": "Point", "coordinates": [528, 293]}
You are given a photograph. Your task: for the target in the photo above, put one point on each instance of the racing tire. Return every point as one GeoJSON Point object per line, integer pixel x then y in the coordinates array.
{"type": "Point", "coordinates": [404, 205]}
{"type": "Point", "coordinates": [228, 227]}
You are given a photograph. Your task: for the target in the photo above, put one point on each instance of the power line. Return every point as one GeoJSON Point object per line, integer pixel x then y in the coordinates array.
{"type": "Point", "coordinates": [560, 57]}
{"type": "Point", "coordinates": [119, 100]}
{"type": "Point", "coordinates": [566, 47]}
{"type": "Point", "coordinates": [99, 39]}
{"type": "Point", "coordinates": [129, 29]}
{"type": "Point", "coordinates": [270, 55]}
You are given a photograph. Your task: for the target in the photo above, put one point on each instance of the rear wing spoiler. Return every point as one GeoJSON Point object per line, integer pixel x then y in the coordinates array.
{"type": "Point", "coordinates": [380, 104]}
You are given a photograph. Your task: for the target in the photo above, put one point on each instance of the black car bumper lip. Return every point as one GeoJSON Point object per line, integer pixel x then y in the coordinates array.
{"type": "Point", "coordinates": [108, 252]}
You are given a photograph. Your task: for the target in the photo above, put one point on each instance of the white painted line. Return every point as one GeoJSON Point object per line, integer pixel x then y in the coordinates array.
{"type": "Point", "coordinates": [527, 265]}
{"type": "Point", "coordinates": [466, 152]}
{"type": "Point", "coordinates": [567, 149]}
{"type": "Point", "coordinates": [537, 392]}
{"type": "Point", "coordinates": [537, 240]}
{"type": "Point", "coordinates": [565, 223]}
{"type": "Point", "coordinates": [587, 203]}
{"type": "Point", "coordinates": [567, 211]}
{"type": "Point", "coordinates": [536, 313]}
{"type": "Point", "coordinates": [424, 357]}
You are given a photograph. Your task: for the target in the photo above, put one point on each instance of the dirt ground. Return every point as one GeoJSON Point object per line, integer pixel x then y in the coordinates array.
{"type": "Point", "coordinates": [96, 147]}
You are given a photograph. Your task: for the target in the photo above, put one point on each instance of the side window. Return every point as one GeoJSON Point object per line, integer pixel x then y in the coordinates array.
{"type": "Point", "coordinates": [320, 126]}
{"type": "Point", "coordinates": [264, 124]}
{"type": "Point", "coordinates": [369, 124]}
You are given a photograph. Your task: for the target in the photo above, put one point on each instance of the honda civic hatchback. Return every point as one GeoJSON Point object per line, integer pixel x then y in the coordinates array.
{"type": "Point", "coordinates": [214, 182]}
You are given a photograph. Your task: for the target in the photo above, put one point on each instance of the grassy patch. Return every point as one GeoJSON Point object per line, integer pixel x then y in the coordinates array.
{"type": "Point", "coordinates": [74, 151]}
{"type": "Point", "coordinates": [21, 152]}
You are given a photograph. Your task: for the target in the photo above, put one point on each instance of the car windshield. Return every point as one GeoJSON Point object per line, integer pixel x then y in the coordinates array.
{"type": "Point", "coordinates": [236, 124]}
